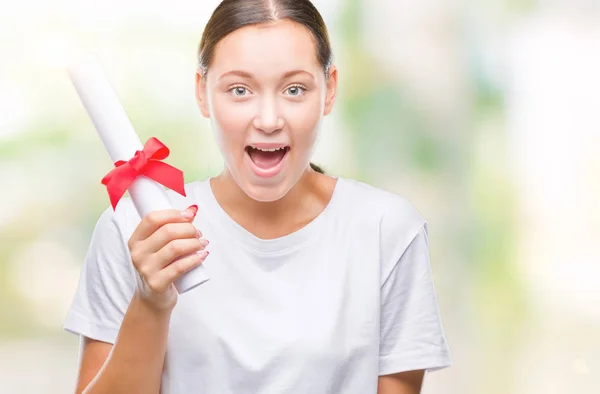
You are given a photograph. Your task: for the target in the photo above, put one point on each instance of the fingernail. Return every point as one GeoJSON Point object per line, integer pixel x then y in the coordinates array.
{"type": "Point", "coordinates": [198, 234]}
{"type": "Point", "coordinates": [190, 212]}
{"type": "Point", "coordinates": [204, 242]}
{"type": "Point", "coordinates": [202, 253]}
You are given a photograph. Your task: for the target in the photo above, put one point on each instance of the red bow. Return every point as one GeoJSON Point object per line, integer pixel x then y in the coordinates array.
{"type": "Point", "coordinates": [145, 162]}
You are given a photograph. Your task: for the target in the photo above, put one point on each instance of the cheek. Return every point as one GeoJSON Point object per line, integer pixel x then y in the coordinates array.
{"type": "Point", "coordinates": [230, 121]}
{"type": "Point", "coordinates": [303, 120]}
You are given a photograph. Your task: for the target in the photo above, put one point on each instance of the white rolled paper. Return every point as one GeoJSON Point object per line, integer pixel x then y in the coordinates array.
{"type": "Point", "coordinates": [121, 142]}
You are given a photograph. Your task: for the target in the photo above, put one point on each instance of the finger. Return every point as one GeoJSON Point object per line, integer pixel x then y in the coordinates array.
{"type": "Point", "coordinates": [180, 267]}
{"type": "Point", "coordinates": [156, 219]}
{"type": "Point", "coordinates": [177, 249]}
{"type": "Point", "coordinates": [167, 233]}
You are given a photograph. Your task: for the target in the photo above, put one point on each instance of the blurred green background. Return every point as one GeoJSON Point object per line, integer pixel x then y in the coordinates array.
{"type": "Point", "coordinates": [485, 115]}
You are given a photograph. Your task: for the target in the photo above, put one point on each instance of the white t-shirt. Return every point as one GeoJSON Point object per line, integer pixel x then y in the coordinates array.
{"type": "Point", "coordinates": [324, 310]}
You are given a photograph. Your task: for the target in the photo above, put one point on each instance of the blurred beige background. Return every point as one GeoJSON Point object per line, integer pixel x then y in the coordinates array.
{"type": "Point", "coordinates": [485, 114]}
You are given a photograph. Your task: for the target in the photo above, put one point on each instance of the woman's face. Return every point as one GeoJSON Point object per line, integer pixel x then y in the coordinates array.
{"type": "Point", "coordinates": [266, 95]}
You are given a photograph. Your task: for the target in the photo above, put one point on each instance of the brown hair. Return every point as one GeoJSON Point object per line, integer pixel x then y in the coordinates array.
{"type": "Point", "coordinates": [232, 15]}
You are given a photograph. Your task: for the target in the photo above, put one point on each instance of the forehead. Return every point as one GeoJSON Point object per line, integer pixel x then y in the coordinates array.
{"type": "Point", "coordinates": [267, 48]}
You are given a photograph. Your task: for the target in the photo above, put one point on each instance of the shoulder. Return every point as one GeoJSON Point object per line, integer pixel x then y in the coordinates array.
{"type": "Point", "coordinates": [395, 219]}
{"type": "Point", "coordinates": [394, 212]}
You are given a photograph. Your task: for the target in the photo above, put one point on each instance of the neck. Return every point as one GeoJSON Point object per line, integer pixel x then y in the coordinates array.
{"type": "Point", "coordinates": [269, 220]}
{"type": "Point", "coordinates": [235, 200]}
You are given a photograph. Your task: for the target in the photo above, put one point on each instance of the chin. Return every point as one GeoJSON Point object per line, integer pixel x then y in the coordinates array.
{"type": "Point", "coordinates": [269, 189]}
{"type": "Point", "coordinates": [266, 193]}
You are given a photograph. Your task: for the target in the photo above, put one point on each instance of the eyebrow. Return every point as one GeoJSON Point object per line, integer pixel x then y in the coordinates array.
{"type": "Point", "coordinates": [245, 74]}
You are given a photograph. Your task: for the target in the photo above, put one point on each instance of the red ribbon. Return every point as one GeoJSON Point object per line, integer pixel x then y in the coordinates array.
{"type": "Point", "coordinates": [145, 162]}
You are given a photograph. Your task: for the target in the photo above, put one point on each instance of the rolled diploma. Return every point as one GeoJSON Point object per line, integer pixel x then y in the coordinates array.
{"type": "Point", "coordinates": [121, 142]}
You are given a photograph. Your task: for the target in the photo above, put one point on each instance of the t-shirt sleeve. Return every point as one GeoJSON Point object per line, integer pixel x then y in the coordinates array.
{"type": "Point", "coordinates": [106, 283]}
{"type": "Point", "coordinates": [412, 335]}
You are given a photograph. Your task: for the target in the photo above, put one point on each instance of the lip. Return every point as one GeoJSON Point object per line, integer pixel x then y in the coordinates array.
{"type": "Point", "coordinates": [271, 172]}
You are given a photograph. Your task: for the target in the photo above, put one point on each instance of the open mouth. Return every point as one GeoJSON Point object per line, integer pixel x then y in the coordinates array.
{"type": "Point", "coordinates": [267, 162]}
{"type": "Point", "coordinates": [267, 158]}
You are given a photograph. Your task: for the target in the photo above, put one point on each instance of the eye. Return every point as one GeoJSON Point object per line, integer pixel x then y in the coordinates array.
{"type": "Point", "coordinates": [239, 91]}
{"type": "Point", "coordinates": [296, 90]}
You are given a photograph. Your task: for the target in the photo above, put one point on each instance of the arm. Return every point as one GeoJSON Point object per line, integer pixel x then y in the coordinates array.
{"type": "Point", "coordinates": [157, 249]}
{"type": "Point", "coordinates": [401, 383]}
{"type": "Point", "coordinates": [412, 338]}
{"type": "Point", "coordinates": [134, 364]}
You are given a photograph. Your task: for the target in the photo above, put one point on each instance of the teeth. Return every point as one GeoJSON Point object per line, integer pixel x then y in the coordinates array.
{"type": "Point", "coordinates": [268, 149]}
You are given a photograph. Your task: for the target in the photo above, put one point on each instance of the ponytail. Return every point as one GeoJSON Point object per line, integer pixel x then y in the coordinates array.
{"type": "Point", "coordinates": [317, 168]}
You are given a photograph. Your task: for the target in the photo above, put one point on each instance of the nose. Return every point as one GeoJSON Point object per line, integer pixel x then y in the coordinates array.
{"type": "Point", "coordinates": [268, 118]}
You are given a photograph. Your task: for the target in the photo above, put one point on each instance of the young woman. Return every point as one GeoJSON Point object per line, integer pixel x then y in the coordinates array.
{"type": "Point", "coordinates": [318, 284]}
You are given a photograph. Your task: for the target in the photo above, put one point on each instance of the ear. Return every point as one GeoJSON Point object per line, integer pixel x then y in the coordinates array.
{"type": "Point", "coordinates": [330, 95]}
{"type": "Point", "coordinates": [201, 94]}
